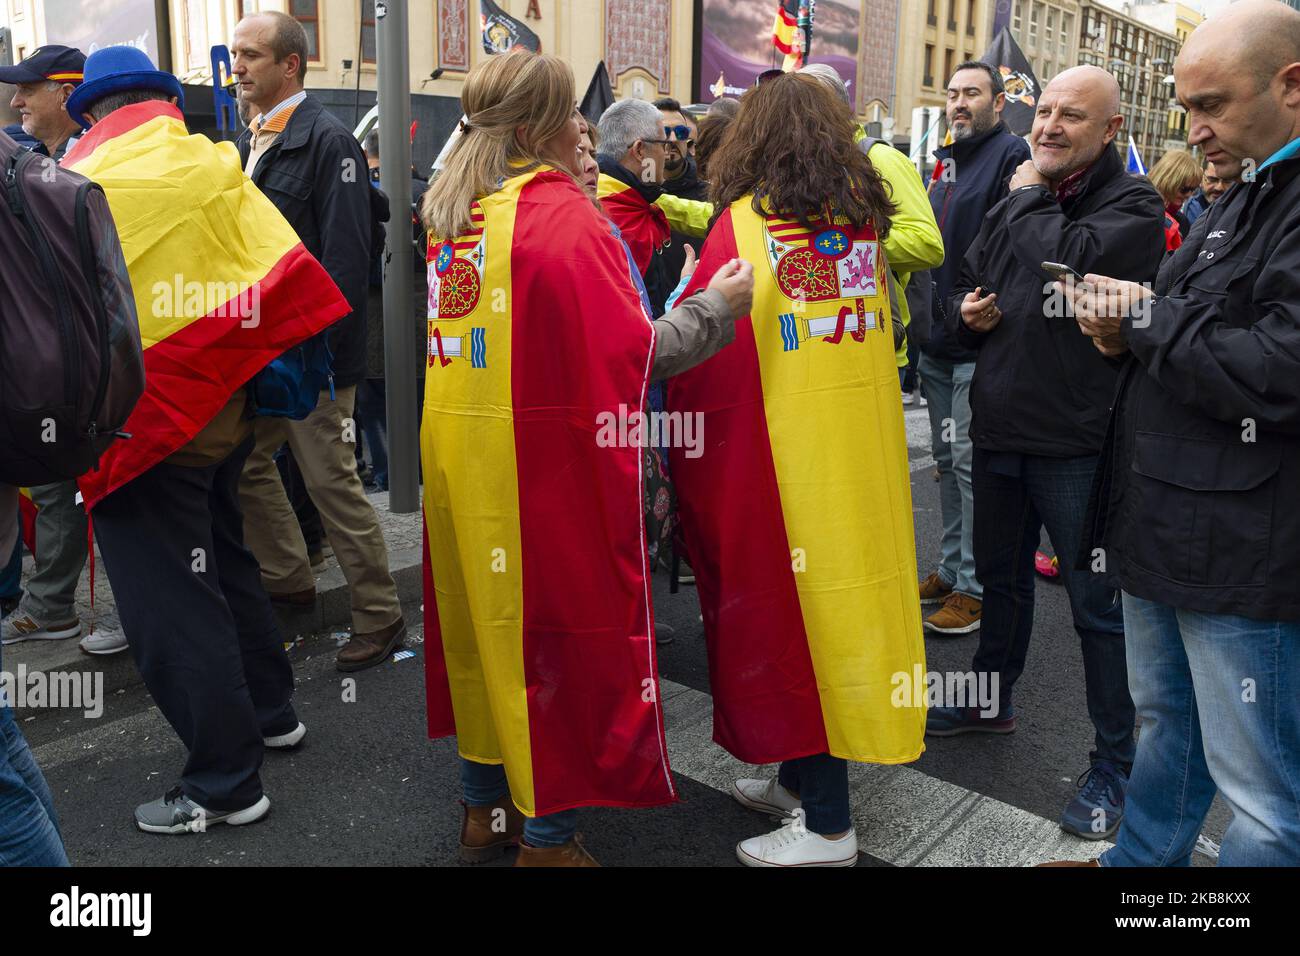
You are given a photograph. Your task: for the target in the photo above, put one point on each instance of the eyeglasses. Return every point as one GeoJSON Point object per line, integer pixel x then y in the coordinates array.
{"type": "Point", "coordinates": [1188, 190]}
{"type": "Point", "coordinates": [683, 133]}
{"type": "Point", "coordinates": [767, 75]}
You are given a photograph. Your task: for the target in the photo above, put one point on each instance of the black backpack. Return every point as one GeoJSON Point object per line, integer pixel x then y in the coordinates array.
{"type": "Point", "coordinates": [71, 366]}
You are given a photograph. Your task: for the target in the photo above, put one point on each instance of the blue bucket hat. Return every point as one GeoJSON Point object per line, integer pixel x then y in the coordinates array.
{"type": "Point", "coordinates": [115, 69]}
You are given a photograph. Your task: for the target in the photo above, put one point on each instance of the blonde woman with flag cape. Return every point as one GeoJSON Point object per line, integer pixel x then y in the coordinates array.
{"type": "Point", "coordinates": [797, 515]}
{"type": "Point", "coordinates": [222, 286]}
{"type": "Point", "coordinates": [539, 647]}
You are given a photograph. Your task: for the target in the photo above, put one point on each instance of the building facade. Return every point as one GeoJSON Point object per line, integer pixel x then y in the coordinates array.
{"type": "Point", "coordinates": [1141, 57]}
{"type": "Point", "coordinates": [1048, 33]}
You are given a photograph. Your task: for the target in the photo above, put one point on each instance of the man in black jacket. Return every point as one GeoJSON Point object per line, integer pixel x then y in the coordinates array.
{"type": "Point", "coordinates": [1197, 499]}
{"type": "Point", "coordinates": [1039, 405]}
{"type": "Point", "coordinates": [972, 179]}
{"type": "Point", "coordinates": [313, 169]}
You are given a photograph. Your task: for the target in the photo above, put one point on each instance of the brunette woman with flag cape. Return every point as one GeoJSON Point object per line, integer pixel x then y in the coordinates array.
{"type": "Point", "coordinates": [539, 645]}
{"type": "Point", "coordinates": [798, 514]}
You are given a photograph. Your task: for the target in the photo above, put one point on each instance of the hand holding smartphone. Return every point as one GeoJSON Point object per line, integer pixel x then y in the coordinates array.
{"type": "Point", "coordinates": [1060, 271]}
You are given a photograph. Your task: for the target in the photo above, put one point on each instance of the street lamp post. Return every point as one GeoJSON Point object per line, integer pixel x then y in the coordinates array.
{"type": "Point", "coordinates": [394, 96]}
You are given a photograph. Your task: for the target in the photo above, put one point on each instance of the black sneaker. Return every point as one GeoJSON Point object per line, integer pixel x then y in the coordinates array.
{"type": "Point", "coordinates": [951, 721]}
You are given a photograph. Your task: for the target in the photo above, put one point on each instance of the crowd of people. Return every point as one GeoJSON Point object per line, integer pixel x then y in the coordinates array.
{"type": "Point", "coordinates": [1112, 358]}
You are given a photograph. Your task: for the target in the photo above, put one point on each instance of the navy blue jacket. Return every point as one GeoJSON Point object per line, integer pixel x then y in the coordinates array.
{"type": "Point", "coordinates": [981, 168]}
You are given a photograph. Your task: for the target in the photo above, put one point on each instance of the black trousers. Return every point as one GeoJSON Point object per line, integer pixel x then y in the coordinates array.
{"type": "Point", "coordinates": [199, 623]}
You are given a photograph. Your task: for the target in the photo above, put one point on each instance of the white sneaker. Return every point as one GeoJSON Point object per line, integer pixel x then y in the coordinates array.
{"type": "Point", "coordinates": [103, 641]}
{"type": "Point", "coordinates": [23, 627]}
{"type": "Point", "coordinates": [795, 845]}
{"type": "Point", "coordinates": [286, 741]}
{"type": "Point", "coordinates": [907, 398]}
{"type": "Point", "coordinates": [766, 796]}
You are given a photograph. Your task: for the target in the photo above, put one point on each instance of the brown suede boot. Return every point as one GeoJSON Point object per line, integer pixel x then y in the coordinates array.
{"type": "Point", "coordinates": [367, 650]}
{"type": "Point", "coordinates": [487, 831]}
{"type": "Point", "coordinates": [567, 854]}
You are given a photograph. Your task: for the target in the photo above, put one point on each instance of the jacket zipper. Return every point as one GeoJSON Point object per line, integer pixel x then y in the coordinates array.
{"type": "Point", "coordinates": [91, 265]}
{"type": "Point", "coordinates": [70, 347]}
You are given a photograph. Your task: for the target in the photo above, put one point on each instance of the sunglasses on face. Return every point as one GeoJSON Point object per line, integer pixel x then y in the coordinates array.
{"type": "Point", "coordinates": [682, 133]}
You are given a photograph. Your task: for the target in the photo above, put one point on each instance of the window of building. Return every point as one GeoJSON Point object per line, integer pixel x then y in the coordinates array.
{"type": "Point", "coordinates": [196, 34]}
{"type": "Point", "coordinates": [1067, 31]}
{"type": "Point", "coordinates": [1018, 18]}
{"type": "Point", "coordinates": [952, 14]}
{"type": "Point", "coordinates": [1035, 18]}
{"type": "Point", "coordinates": [367, 31]}
{"type": "Point", "coordinates": [929, 65]}
{"type": "Point", "coordinates": [930, 16]}
{"type": "Point", "coordinates": [307, 12]}
{"type": "Point", "coordinates": [970, 18]}
{"type": "Point", "coordinates": [948, 64]}
{"type": "Point", "coordinates": [1049, 33]}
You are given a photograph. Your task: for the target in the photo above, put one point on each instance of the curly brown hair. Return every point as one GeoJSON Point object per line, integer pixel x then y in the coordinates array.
{"type": "Point", "coordinates": [792, 147]}
{"type": "Point", "coordinates": [713, 130]}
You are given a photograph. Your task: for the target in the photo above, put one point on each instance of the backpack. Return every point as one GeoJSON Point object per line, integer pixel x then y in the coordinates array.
{"type": "Point", "coordinates": [71, 365]}
{"type": "Point", "coordinates": [290, 385]}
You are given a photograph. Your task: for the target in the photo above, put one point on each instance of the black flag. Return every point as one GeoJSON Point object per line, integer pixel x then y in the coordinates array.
{"type": "Point", "coordinates": [1018, 79]}
{"type": "Point", "coordinates": [503, 33]}
{"type": "Point", "coordinates": [599, 96]}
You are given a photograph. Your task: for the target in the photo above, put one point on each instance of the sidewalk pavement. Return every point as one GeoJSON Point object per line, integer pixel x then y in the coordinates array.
{"type": "Point", "coordinates": [331, 610]}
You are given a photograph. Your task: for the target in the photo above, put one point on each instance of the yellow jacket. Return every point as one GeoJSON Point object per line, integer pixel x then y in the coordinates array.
{"type": "Point", "coordinates": [690, 217]}
{"type": "Point", "coordinates": [914, 242]}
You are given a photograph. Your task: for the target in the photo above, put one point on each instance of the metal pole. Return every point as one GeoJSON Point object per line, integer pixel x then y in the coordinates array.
{"type": "Point", "coordinates": [394, 76]}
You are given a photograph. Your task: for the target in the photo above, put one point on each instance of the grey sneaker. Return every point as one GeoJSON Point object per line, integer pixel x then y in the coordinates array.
{"type": "Point", "coordinates": [177, 813]}
{"type": "Point", "coordinates": [23, 627]}
{"type": "Point", "coordinates": [103, 641]}
{"type": "Point", "coordinates": [286, 741]}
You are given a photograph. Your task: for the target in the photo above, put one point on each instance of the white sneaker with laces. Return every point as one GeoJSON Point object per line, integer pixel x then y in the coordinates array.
{"type": "Point", "coordinates": [765, 796]}
{"type": "Point", "coordinates": [795, 845]}
{"type": "Point", "coordinates": [103, 640]}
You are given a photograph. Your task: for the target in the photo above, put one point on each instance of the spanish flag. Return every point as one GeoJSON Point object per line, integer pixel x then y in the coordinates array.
{"type": "Point", "coordinates": [222, 284]}
{"type": "Point", "coordinates": [785, 26]}
{"type": "Point", "coordinates": [798, 512]}
{"type": "Point", "coordinates": [539, 644]}
{"type": "Point", "coordinates": [643, 224]}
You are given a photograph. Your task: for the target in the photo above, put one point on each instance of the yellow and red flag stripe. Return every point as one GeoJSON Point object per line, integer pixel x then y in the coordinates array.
{"type": "Point", "coordinates": [222, 283]}
{"type": "Point", "coordinates": [539, 643]}
{"type": "Point", "coordinates": [644, 225]}
{"type": "Point", "coordinates": [785, 26]}
{"type": "Point", "coordinates": [797, 514]}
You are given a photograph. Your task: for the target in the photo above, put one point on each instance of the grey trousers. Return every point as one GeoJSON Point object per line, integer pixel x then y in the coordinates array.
{"type": "Point", "coordinates": [60, 554]}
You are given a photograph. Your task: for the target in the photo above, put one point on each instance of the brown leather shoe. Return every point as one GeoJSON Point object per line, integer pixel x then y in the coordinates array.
{"type": "Point", "coordinates": [367, 650]}
{"type": "Point", "coordinates": [960, 614]}
{"type": "Point", "coordinates": [487, 831]}
{"type": "Point", "coordinates": [294, 598]}
{"type": "Point", "coordinates": [566, 854]}
{"type": "Point", "coordinates": [933, 590]}
{"type": "Point", "coordinates": [1068, 863]}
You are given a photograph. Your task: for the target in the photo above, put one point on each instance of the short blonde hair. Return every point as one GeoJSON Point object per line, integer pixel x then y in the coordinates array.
{"type": "Point", "coordinates": [1173, 170]}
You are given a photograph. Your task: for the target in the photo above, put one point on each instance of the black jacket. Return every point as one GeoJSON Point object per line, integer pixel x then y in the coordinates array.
{"type": "Point", "coordinates": [1197, 498]}
{"type": "Point", "coordinates": [315, 174]}
{"type": "Point", "coordinates": [1040, 386]}
{"type": "Point", "coordinates": [976, 182]}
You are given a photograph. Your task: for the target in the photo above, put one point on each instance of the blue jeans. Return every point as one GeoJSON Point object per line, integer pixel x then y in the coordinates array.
{"type": "Point", "coordinates": [947, 391]}
{"type": "Point", "coordinates": [822, 782]}
{"type": "Point", "coordinates": [11, 578]}
{"type": "Point", "coordinates": [29, 828]}
{"type": "Point", "coordinates": [1219, 697]}
{"type": "Point", "coordinates": [485, 783]}
{"type": "Point", "coordinates": [372, 403]}
{"type": "Point", "coordinates": [1010, 513]}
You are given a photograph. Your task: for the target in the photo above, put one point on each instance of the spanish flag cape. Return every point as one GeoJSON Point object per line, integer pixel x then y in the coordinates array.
{"type": "Point", "coordinates": [222, 284]}
{"type": "Point", "coordinates": [643, 224]}
{"type": "Point", "coordinates": [539, 647]}
{"type": "Point", "coordinates": [797, 513]}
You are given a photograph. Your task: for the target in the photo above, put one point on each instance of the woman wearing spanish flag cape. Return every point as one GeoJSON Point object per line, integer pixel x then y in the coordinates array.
{"type": "Point", "coordinates": [798, 515]}
{"type": "Point", "coordinates": [539, 644]}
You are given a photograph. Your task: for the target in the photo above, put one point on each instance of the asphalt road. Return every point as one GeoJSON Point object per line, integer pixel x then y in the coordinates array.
{"type": "Point", "coordinates": [368, 787]}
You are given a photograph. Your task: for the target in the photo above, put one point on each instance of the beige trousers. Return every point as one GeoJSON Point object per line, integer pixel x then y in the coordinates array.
{"type": "Point", "coordinates": [323, 444]}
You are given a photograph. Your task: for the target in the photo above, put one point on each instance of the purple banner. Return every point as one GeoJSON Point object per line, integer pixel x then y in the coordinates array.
{"type": "Point", "coordinates": [736, 43]}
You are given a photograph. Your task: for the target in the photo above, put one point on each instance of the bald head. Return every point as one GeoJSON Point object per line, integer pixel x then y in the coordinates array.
{"type": "Point", "coordinates": [1238, 75]}
{"type": "Point", "coordinates": [1076, 118]}
{"type": "Point", "coordinates": [1261, 35]}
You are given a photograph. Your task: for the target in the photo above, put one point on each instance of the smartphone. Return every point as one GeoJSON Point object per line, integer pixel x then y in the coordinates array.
{"type": "Point", "coordinates": [986, 291]}
{"type": "Point", "coordinates": [1060, 271]}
